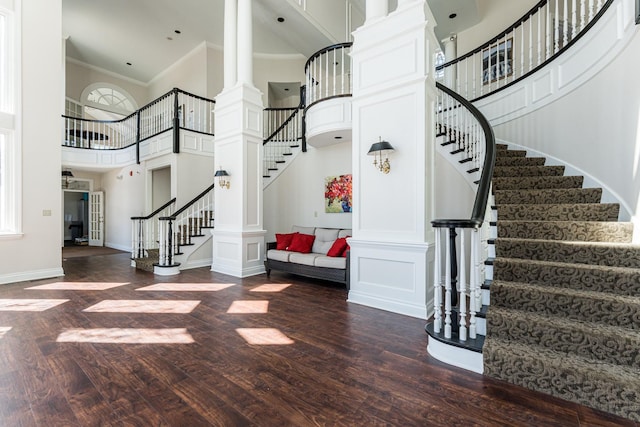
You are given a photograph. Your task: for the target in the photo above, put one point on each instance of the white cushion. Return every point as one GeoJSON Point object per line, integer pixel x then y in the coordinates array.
{"type": "Point", "coordinates": [324, 240]}
{"type": "Point", "coordinates": [303, 230]}
{"type": "Point", "coordinates": [277, 255]}
{"type": "Point", "coordinates": [344, 233]}
{"type": "Point", "coordinates": [306, 259]}
{"type": "Point", "coordinates": [331, 262]}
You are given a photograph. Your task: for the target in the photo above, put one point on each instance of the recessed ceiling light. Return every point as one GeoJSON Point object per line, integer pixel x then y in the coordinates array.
{"type": "Point", "coordinates": [129, 63]}
{"type": "Point", "coordinates": [177, 31]}
{"type": "Point", "coordinates": [337, 137]}
{"type": "Point", "coordinates": [453, 15]}
{"type": "Point", "coordinates": [280, 19]}
{"type": "Point", "coordinates": [286, 89]}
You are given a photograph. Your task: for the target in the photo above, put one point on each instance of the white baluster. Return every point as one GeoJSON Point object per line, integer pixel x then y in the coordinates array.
{"type": "Point", "coordinates": [583, 14]}
{"type": "Point", "coordinates": [473, 283]}
{"type": "Point", "coordinates": [462, 300]}
{"type": "Point", "coordinates": [447, 284]}
{"type": "Point", "coordinates": [437, 284]}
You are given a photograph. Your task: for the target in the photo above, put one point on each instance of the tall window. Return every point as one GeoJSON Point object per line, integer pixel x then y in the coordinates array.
{"type": "Point", "coordinates": [9, 138]}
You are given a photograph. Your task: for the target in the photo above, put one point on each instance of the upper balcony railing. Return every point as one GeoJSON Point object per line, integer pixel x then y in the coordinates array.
{"type": "Point", "coordinates": [545, 31]}
{"type": "Point", "coordinates": [176, 110]}
{"type": "Point", "coordinates": [328, 73]}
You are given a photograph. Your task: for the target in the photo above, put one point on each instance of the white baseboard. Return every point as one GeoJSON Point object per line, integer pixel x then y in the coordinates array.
{"type": "Point", "coordinates": [25, 276]}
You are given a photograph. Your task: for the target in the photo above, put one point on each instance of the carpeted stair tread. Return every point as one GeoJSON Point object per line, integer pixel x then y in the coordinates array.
{"type": "Point", "coordinates": [590, 340]}
{"type": "Point", "coordinates": [519, 161]}
{"type": "Point", "coordinates": [548, 196]}
{"type": "Point", "coordinates": [516, 171]}
{"type": "Point", "coordinates": [560, 212]}
{"type": "Point", "coordinates": [146, 263]}
{"type": "Point", "coordinates": [510, 153]}
{"type": "Point", "coordinates": [594, 253]}
{"type": "Point", "coordinates": [583, 231]}
{"type": "Point", "coordinates": [613, 280]}
{"type": "Point", "coordinates": [537, 182]}
{"type": "Point", "coordinates": [574, 304]}
{"type": "Point", "coordinates": [501, 147]}
{"type": "Point", "coordinates": [610, 388]}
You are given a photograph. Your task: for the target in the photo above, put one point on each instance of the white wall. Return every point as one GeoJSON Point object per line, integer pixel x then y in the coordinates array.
{"type": "Point", "coordinates": [123, 198]}
{"type": "Point", "coordinates": [37, 253]}
{"type": "Point", "coordinates": [453, 194]}
{"type": "Point", "coordinates": [497, 15]}
{"type": "Point", "coordinates": [274, 68]}
{"type": "Point", "coordinates": [296, 197]}
{"type": "Point", "coordinates": [78, 77]}
{"type": "Point", "coordinates": [596, 128]}
{"type": "Point", "coordinates": [189, 74]}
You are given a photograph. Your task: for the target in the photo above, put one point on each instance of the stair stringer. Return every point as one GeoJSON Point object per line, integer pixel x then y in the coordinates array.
{"type": "Point", "coordinates": [274, 174]}
{"type": "Point", "coordinates": [184, 258]}
{"type": "Point", "coordinates": [454, 160]}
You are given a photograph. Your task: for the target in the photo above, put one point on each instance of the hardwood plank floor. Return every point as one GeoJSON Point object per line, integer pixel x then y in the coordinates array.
{"type": "Point", "coordinates": [301, 356]}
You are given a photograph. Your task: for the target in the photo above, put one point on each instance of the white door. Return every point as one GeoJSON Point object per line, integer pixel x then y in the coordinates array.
{"type": "Point", "coordinates": [96, 218]}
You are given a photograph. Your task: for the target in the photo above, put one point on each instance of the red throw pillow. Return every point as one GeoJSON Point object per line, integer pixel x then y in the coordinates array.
{"type": "Point", "coordinates": [284, 240]}
{"type": "Point", "coordinates": [338, 247]}
{"type": "Point", "coordinates": [346, 248]}
{"type": "Point", "coordinates": [301, 243]}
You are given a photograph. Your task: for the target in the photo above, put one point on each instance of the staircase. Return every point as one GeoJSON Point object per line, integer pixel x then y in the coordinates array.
{"type": "Point", "coordinates": [564, 317]}
{"type": "Point", "coordinates": [189, 236]}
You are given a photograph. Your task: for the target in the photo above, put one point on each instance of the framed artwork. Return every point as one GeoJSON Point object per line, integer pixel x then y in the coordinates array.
{"type": "Point", "coordinates": [497, 61]}
{"type": "Point", "coordinates": [338, 194]}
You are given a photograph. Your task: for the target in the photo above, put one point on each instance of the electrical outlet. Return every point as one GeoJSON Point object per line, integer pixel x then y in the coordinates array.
{"type": "Point", "coordinates": [46, 212]}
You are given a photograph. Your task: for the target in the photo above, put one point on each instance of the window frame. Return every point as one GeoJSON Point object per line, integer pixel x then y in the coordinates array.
{"type": "Point", "coordinates": [10, 141]}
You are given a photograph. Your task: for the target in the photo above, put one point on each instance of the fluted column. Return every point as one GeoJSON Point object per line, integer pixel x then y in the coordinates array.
{"type": "Point", "coordinates": [376, 9]}
{"type": "Point", "coordinates": [230, 43]}
{"type": "Point", "coordinates": [245, 42]}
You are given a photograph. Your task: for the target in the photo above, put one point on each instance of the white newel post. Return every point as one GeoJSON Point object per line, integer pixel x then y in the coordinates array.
{"type": "Point", "coordinates": [392, 248]}
{"type": "Point", "coordinates": [238, 236]}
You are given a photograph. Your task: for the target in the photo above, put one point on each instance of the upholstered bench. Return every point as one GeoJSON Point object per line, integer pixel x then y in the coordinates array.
{"type": "Point", "coordinates": [320, 253]}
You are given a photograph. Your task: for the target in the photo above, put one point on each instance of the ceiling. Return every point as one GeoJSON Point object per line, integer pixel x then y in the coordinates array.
{"type": "Point", "coordinates": [139, 39]}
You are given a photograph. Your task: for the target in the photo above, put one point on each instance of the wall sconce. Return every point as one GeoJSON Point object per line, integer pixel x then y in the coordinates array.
{"type": "Point", "coordinates": [222, 181]}
{"type": "Point", "coordinates": [378, 150]}
{"type": "Point", "coordinates": [66, 174]}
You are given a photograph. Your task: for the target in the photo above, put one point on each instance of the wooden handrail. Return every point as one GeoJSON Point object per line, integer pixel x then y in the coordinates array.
{"type": "Point", "coordinates": [156, 212]}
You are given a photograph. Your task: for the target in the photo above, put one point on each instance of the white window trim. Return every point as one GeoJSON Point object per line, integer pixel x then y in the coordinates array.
{"type": "Point", "coordinates": [10, 124]}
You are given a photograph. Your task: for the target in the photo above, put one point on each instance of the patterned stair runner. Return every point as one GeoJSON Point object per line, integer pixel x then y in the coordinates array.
{"type": "Point", "coordinates": [564, 317]}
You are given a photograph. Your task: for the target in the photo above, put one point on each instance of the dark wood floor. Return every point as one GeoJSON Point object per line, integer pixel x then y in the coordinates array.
{"type": "Point", "coordinates": [326, 362]}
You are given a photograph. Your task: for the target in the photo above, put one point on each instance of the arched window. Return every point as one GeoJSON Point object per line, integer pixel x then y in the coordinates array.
{"type": "Point", "coordinates": [108, 98]}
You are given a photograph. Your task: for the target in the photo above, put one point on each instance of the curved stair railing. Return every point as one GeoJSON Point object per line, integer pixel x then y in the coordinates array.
{"type": "Point", "coordinates": [545, 31]}
{"type": "Point", "coordinates": [174, 110]}
{"type": "Point", "coordinates": [283, 132]}
{"type": "Point", "coordinates": [457, 282]}
{"type": "Point", "coordinates": [328, 74]}
{"type": "Point", "coordinates": [178, 229]}
{"type": "Point", "coordinates": [144, 230]}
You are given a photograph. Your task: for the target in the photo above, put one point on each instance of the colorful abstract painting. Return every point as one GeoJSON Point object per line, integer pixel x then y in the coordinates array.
{"type": "Point", "coordinates": [338, 193]}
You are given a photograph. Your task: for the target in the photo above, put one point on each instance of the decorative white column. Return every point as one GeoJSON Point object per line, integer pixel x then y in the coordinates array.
{"type": "Point", "coordinates": [450, 53]}
{"type": "Point", "coordinates": [230, 43]}
{"type": "Point", "coordinates": [392, 247]}
{"type": "Point", "coordinates": [238, 236]}
{"type": "Point", "coordinates": [376, 9]}
{"type": "Point", "coordinates": [245, 42]}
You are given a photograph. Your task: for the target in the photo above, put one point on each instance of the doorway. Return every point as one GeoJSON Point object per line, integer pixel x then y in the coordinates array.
{"type": "Point", "coordinates": [76, 218]}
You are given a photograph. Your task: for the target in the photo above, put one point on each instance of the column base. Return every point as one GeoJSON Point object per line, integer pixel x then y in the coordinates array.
{"type": "Point", "coordinates": [395, 277]}
{"type": "Point", "coordinates": [238, 253]}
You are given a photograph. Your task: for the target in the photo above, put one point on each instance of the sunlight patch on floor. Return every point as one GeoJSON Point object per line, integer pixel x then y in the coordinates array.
{"type": "Point", "coordinates": [29, 304]}
{"type": "Point", "coordinates": [143, 306]}
{"type": "Point", "coordinates": [190, 287]}
{"type": "Point", "coordinates": [4, 330]}
{"type": "Point", "coordinates": [78, 286]}
{"type": "Point", "coordinates": [264, 336]}
{"type": "Point", "coordinates": [127, 336]}
{"type": "Point", "coordinates": [248, 307]}
{"type": "Point", "coordinates": [271, 287]}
